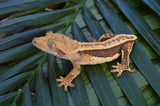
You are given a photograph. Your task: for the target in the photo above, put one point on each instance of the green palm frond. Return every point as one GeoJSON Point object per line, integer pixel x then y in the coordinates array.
{"type": "Point", "coordinates": [28, 75]}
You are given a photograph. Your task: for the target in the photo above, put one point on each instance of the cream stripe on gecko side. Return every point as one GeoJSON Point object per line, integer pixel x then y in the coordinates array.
{"type": "Point", "coordinates": [98, 60]}
{"type": "Point", "coordinates": [115, 41]}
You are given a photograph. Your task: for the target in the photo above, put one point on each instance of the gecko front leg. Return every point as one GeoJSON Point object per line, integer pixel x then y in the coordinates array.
{"type": "Point", "coordinates": [67, 81]}
{"type": "Point", "coordinates": [124, 65]}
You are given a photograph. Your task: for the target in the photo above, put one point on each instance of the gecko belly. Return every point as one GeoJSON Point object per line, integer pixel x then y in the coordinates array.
{"type": "Point", "coordinates": [97, 60]}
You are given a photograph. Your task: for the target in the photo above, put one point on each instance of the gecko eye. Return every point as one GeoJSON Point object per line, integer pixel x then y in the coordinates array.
{"type": "Point", "coordinates": [52, 46]}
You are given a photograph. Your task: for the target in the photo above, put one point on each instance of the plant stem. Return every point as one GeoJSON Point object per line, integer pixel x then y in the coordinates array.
{"type": "Point", "coordinates": [74, 16]}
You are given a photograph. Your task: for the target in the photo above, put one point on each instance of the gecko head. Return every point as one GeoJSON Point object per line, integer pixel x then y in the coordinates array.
{"type": "Point", "coordinates": [49, 43]}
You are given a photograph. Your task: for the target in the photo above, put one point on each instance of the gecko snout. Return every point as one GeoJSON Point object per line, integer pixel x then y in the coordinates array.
{"type": "Point", "coordinates": [36, 42]}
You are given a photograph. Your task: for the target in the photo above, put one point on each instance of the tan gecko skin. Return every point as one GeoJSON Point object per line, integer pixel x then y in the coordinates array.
{"type": "Point", "coordinates": [109, 47]}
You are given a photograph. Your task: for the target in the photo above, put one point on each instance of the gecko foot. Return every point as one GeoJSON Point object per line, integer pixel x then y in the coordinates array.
{"type": "Point", "coordinates": [64, 82]}
{"type": "Point", "coordinates": [120, 68]}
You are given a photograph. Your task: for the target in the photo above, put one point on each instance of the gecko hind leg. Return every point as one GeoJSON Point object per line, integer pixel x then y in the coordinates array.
{"type": "Point", "coordinates": [124, 65]}
{"type": "Point", "coordinates": [67, 81]}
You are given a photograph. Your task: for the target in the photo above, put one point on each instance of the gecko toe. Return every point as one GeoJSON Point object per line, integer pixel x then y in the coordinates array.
{"type": "Point", "coordinates": [58, 80]}
{"type": "Point", "coordinates": [118, 63]}
{"type": "Point", "coordinates": [117, 70]}
{"type": "Point", "coordinates": [65, 88]}
{"type": "Point", "coordinates": [114, 66]}
{"type": "Point", "coordinates": [131, 70]}
{"type": "Point", "coordinates": [72, 85]}
{"type": "Point", "coordinates": [117, 66]}
{"type": "Point", "coordinates": [60, 85]}
{"type": "Point", "coordinates": [119, 74]}
{"type": "Point", "coordinates": [114, 70]}
{"type": "Point", "coordinates": [61, 77]}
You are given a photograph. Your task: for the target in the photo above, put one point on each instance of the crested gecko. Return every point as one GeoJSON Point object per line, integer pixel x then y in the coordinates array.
{"type": "Point", "coordinates": [109, 47]}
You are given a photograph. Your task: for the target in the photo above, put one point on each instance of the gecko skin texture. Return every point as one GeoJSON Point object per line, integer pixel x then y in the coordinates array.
{"type": "Point", "coordinates": [109, 47]}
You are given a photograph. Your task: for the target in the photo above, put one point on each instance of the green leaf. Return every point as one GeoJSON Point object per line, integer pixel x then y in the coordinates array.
{"type": "Point", "coordinates": [27, 100]}
{"type": "Point", "coordinates": [22, 66]}
{"type": "Point", "coordinates": [3, 69]}
{"type": "Point", "coordinates": [17, 53]}
{"type": "Point", "coordinates": [101, 85]}
{"type": "Point", "coordinates": [18, 24]}
{"type": "Point", "coordinates": [87, 16]}
{"type": "Point", "coordinates": [79, 93]}
{"type": "Point", "coordinates": [2, 0]}
{"type": "Point", "coordinates": [140, 24]}
{"type": "Point", "coordinates": [59, 97]}
{"type": "Point", "coordinates": [130, 89]}
{"type": "Point", "coordinates": [154, 4]}
{"type": "Point", "coordinates": [14, 82]}
{"type": "Point", "coordinates": [27, 36]}
{"type": "Point", "coordinates": [77, 33]}
{"type": "Point", "coordinates": [43, 96]}
{"type": "Point", "coordinates": [146, 67]}
{"type": "Point", "coordinates": [150, 96]}
{"type": "Point", "coordinates": [110, 16]}
{"type": "Point", "coordinates": [9, 6]}
{"type": "Point", "coordinates": [7, 98]}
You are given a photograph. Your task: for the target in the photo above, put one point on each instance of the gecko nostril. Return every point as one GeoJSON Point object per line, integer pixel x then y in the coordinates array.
{"type": "Point", "coordinates": [34, 41]}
